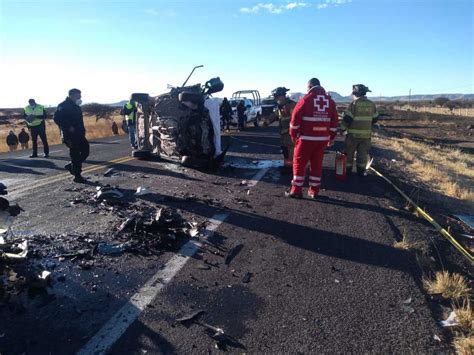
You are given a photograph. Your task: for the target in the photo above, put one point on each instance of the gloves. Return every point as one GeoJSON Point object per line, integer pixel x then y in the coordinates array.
{"type": "Point", "coordinates": [347, 120]}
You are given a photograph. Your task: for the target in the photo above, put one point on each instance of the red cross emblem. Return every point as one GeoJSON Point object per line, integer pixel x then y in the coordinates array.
{"type": "Point", "coordinates": [321, 103]}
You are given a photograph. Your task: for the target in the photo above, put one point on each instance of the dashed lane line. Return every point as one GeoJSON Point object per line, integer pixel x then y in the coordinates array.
{"type": "Point", "coordinates": [112, 331]}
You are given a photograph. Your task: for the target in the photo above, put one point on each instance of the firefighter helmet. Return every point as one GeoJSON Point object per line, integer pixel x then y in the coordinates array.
{"type": "Point", "coordinates": [360, 90]}
{"type": "Point", "coordinates": [280, 91]}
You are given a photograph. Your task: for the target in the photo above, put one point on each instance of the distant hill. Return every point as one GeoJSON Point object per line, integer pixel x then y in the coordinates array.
{"type": "Point", "coordinates": [118, 104]}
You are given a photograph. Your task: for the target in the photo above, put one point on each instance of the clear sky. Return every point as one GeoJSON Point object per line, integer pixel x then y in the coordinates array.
{"type": "Point", "coordinates": [110, 48]}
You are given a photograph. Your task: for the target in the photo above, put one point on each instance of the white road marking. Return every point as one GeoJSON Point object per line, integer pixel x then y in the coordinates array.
{"type": "Point", "coordinates": [103, 340]}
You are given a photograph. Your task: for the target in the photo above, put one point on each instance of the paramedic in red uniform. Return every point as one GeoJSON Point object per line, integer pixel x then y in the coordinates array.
{"type": "Point", "coordinates": [313, 128]}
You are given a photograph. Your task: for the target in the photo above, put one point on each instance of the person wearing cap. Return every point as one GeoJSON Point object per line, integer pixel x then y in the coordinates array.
{"type": "Point", "coordinates": [283, 115]}
{"type": "Point", "coordinates": [358, 120]}
{"type": "Point", "coordinates": [34, 116]}
{"type": "Point", "coordinates": [68, 117]}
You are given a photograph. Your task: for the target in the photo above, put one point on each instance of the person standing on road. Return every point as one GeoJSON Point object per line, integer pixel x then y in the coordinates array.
{"type": "Point", "coordinates": [129, 110]}
{"type": "Point", "coordinates": [12, 141]}
{"type": "Point", "coordinates": [115, 129]}
{"type": "Point", "coordinates": [226, 113]}
{"type": "Point", "coordinates": [358, 120]}
{"type": "Point", "coordinates": [68, 117]}
{"type": "Point", "coordinates": [313, 128]}
{"type": "Point", "coordinates": [241, 115]}
{"type": "Point", "coordinates": [283, 115]}
{"type": "Point", "coordinates": [23, 138]}
{"type": "Point", "coordinates": [34, 116]}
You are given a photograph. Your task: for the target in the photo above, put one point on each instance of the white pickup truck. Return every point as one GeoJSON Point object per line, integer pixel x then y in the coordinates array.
{"type": "Point", "coordinates": [253, 105]}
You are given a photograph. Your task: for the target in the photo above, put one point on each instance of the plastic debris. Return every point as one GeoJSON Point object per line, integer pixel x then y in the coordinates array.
{"type": "Point", "coordinates": [141, 191]}
{"type": "Point", "coordinates": [108, 193]}
{"type": "Point", "coordinates": [451, 321]}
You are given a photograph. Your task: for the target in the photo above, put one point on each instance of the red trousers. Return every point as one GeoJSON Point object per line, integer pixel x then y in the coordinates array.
{"type": "Point", "coordinates": [312, 151]}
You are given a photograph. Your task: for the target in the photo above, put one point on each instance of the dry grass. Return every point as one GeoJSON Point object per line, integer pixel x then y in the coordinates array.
{"type": "Point", "coordinates": [406, 244]}
{"type": "Point", "coordinates": [99, 129]}
{"type": "Point", "coordinates": [464, 345]}
{"type": "Point", "coordinates": [449, 172]}
{"type": "Point", "coordinates": [449, 286]}
{"type": "Point", "coordinates": [464, 315]}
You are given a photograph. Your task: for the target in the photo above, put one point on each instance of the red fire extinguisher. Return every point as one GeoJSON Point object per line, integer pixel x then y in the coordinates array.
{"type": "Point", "coordinates": [341, 163]}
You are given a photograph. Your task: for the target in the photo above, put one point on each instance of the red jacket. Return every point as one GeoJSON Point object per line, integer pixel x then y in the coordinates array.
{"type": "Point", "coordinates": [314, 117]}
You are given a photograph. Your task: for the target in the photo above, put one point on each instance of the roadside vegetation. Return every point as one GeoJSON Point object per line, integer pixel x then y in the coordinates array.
{"type": "Point", "coordinates": [97, 120]}
{"type": "Point", "coordinates": [447, 171]}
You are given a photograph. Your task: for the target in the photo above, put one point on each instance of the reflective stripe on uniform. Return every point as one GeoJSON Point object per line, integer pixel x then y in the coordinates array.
{"type": "Point", "coordinates": [314, 184]}
{"type": "Point", "coordinates": [316, 119]}
{"type": "Point", "coordinates": [294, 127]}
{"type": "Point", "coordinates": [315, 178]}
{"type": "Point", "coordinates": [320, 129]}
{"type": "Point", "coordinates": [310, 138]}
{"type": "Point", "coordinates": [333, 129]}
{"type": "Point", "coordinates": [362, 118]}
{"type": "Point", "coordinates": [298, 177]}
{"type": "Point", "coordinates": [359, 131]}
{"type": "Point", "coordinates": [297, 183]}
{"type": "Point", "coordinates": [38, 111]}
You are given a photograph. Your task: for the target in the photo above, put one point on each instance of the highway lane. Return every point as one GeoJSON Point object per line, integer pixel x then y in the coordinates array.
{"type": "Point", "coordinates": [311, 276]}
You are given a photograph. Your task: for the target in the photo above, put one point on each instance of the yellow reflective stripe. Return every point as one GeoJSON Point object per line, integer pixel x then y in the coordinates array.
{"type": "Point", "coordinates": [362, 118]}
{"type": "Point", "coordinates": [359, 131]}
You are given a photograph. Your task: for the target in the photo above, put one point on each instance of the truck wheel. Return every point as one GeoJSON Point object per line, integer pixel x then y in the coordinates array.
{"type": "Point", "coordinates": [257, 120]}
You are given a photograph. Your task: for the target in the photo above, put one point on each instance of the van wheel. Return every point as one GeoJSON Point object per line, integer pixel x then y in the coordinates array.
{"type": "Point", "coordinates": [141, 154]}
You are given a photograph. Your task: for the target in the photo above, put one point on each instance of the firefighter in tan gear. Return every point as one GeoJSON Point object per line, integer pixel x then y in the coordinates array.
{"type": "Point", "coordinates": [358, 120]}
{"type": "Point", "coordinates": [283, 115]}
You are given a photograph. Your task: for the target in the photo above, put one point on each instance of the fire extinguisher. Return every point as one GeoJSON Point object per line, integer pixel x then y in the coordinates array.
{"type": "Point", "coordinates": [341, 163]}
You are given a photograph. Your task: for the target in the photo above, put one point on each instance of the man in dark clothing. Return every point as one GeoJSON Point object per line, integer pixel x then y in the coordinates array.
{"type": "Point", "coordinates": [226, 113]}
{"type": "Point", "coordinates": [34, 116]}
{"type": "Point", "coordinates": [241, 114]}
{"type": "Point", "coordinates": [68, 117]}
{"type": "Point", "coordinates": [12, 141]}
{"type": "Point", "coordinates": [24, 138]}
{"type": "Point", "coordinates": [115, 128]}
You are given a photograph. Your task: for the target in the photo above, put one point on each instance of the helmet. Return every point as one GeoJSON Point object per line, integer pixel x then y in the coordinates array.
{"type": "Point", "coordinates": [280, 91]}
{"type": "Point", "coordinates": [360, 90]}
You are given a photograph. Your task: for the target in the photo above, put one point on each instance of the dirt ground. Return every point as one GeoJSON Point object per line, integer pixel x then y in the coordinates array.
{"type": "Point", "coordinates": [445, 130]}
{"type": "Point", "coordinates": [429, 156]}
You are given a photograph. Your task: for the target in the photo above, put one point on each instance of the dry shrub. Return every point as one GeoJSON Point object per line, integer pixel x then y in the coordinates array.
{"type": "Point", "coordinates": [449, 286]}
{"type": "Point", "coordinates": [464, 345]}
{"type": "Point", "coordinates": [447, 171]}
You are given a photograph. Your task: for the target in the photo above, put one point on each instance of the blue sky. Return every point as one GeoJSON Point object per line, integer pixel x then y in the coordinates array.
{"type": "Point", "coordinates": [110, 48]}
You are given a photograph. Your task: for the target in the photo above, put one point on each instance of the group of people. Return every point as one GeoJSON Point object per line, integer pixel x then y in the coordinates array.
{"type": "Point", "coordinates": [226, 114]}
{"type": "Point", "coordinates": [22, 139]}
{"type": "Point", "coordinates": [309, 126]}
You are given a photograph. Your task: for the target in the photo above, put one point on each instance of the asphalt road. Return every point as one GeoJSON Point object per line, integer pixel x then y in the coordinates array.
{"type": "Point", "coordinates": [273, 274]}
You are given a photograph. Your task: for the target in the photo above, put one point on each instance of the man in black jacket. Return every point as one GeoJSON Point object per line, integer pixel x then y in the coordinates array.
{"type": "Point", "coordinates": [68, 117]}
{"type": "Point", "coordinates": [24, 138]}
